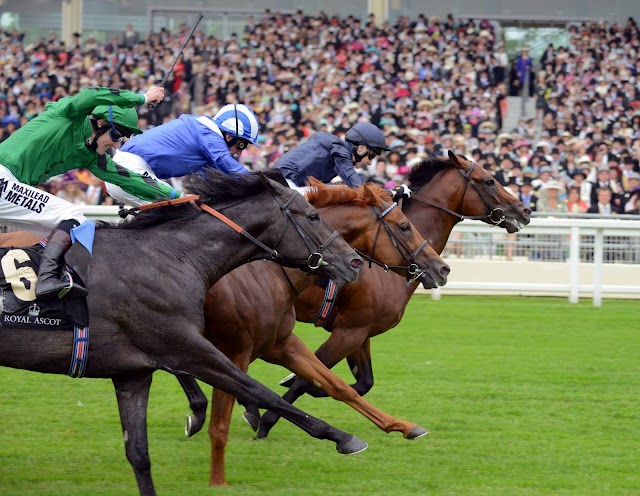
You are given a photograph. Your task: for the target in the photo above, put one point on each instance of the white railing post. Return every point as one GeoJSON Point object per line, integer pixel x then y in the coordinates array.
{"type": "Point", "coordinates": [597, 267]}
{"type": "Point", "coordinates": [574, 265]}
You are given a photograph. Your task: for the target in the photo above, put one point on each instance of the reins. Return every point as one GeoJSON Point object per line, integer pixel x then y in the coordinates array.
{"type": "Point", "coordinates": [490, 216]}
{"type": "Point", "coordinates": [412, 269]}
{"type": "Point", "coordinates": [315, 259]}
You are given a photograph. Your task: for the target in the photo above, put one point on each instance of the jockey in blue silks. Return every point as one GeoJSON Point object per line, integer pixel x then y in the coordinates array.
{"type": "Point", "coordinates": [188, 144]}
{"type": "Point", "coordinates": [324, 156]}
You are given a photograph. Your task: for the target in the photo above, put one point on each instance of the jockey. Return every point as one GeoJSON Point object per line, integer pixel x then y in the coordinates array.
{"type": "Point", "coordinates": [74, 132]}
{"type": "Point", "coordinates": [325, 156]}
{"type": "Point", "coordinates": [188, 144]}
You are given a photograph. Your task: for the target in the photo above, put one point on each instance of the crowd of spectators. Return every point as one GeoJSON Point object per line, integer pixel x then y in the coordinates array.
{"type": "Point", "coordinates": [430, 84]}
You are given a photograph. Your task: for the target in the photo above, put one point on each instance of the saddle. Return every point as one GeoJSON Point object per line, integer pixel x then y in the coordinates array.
{"type": "Point", "coordinates": [19, 308]}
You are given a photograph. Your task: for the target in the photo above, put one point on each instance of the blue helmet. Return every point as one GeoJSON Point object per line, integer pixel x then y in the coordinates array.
{"type": "Point", "coordinates": [365, 133]}
{"type": "Point", "coordinates": [239, 121]}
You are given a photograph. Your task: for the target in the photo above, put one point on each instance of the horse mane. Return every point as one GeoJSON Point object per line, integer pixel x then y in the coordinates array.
{"type": "Point", "coordinates": [212, 186]}
{"type": "Point", "coordinates": [327, 195]}
{"type": "Point", "coordinates": [426, 170]}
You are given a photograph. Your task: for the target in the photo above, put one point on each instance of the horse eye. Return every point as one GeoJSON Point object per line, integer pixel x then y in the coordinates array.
{"type": "Point", "coordinates": [490, 182]}
{"type": "Point", "coordinates": [313, 217]}
{"type": "Point", "coordinates": [405, 226]}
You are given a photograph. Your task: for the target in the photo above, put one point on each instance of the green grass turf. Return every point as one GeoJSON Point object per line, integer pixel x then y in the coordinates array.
{"type": "Point", "coordinates": [524, 396]}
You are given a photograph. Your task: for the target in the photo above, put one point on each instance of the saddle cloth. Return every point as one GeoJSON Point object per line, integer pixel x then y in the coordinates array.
{"type": "Point", "coordinates": [19, 308]}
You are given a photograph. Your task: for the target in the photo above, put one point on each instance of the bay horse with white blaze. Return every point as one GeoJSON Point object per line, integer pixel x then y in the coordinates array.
{"type": "Point", "coordinates": [147, 286]}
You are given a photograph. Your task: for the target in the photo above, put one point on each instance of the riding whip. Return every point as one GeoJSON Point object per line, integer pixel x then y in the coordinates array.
{"type": "Point", "coordinates": [184, 45]}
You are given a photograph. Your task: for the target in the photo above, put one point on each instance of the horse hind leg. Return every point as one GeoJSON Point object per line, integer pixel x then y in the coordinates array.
{"type": "Point", "coordinates": [132, 393]}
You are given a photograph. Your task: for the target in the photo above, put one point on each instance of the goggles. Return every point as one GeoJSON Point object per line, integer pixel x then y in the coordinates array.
{"type": "Point", "coordinates": [242, 144]}
{"type": "Point", "coordinates": [373, 152]}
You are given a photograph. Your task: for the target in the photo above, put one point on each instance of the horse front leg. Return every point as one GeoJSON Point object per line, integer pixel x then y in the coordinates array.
{"type": "Point", "coordinates": [361, 368]}
{"type": "Point", "coordinates": [210, 365]}
{"type": "Point", "coordinates": [337, 347]}
{"type": "Point", "coordinates": [359, 365]}
{"type": "Point", "coordinates": [198, 403]}
{"type": "Point", "coordinates": [294, 354]}
{"type": "Point", "coordinates": [132, 392]}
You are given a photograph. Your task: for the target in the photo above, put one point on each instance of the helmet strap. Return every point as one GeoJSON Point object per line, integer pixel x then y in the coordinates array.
{"type": "Point", "coordinates": [92, 143]}
{"type": "Point", "coordinates": [358, 157]}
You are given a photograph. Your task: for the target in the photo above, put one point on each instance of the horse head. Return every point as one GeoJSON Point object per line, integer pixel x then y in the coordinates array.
{"type": "Point", "coordinates": [370, 221]}
{"type": "Point", "coordinates": [463, 190]}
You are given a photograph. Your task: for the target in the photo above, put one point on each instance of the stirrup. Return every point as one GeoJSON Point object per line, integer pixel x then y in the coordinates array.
{"type": "Point", "coordinates": [71, 287]}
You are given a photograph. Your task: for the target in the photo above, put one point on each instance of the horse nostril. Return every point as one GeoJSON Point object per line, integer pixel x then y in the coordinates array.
{"type": "Point", "coordinates": [526, 213]}
{"type": "Point", "coordinates": [444, 270]}
{"type": "Point", "coordinates": [357, 264]}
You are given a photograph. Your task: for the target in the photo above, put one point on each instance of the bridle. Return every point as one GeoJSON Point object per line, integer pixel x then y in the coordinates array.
{"type": "Point", "coordinates": [315, 259]}
{"type": "Point", "coordinates": [412, 269]}
{"type": "Point", "coordinates": [496, 215]}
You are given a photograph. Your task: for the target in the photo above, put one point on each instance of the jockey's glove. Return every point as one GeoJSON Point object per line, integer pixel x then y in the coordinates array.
{"type": "Point", "coordinates": [399, 192]}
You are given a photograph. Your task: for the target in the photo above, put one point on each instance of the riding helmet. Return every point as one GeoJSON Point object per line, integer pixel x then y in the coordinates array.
{"type": "Point", "coordinates": [365, 133]}
{"type": "Point", "coordinates": [124, 117]}
{"type": "Point", "coordinates": [239, 121]}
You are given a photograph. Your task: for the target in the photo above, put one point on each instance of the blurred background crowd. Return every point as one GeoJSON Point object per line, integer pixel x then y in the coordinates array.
{"type": "Point", "coordinates": [431, 84]}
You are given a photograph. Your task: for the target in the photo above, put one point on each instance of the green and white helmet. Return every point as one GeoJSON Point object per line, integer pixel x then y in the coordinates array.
{"type": "Point", "coordinates": [126, 118]}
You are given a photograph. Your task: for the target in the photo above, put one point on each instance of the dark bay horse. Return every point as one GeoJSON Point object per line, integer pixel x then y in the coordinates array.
{"type": "Point", "coordinates": [249, 313]}
{"type": "Point", "coordinates": [147, 286]}
{"type": "Point", "coordinates": [445, 191]}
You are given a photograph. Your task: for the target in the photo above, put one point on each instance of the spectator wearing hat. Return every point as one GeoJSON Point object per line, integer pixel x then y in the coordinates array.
{"type": "Point", "coordinates": [550, 197]}
{"type": "Point", "coordinates": [527, 195]}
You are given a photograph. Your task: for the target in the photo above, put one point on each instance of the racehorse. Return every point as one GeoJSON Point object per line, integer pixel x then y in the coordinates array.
{"type": "Point", "coordinates": [446, 190]}
{"type": "Point", "coordinates": [147, 285]}
{"type": "Point", "coordinates": [249, 313]}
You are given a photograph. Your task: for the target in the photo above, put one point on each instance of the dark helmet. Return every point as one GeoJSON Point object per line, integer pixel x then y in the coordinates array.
{"type": "Point", "coordinates": [365, 133]}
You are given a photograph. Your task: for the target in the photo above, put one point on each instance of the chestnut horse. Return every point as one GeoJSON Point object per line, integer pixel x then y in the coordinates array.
{"type": "Point", "coordinates": [250, 314]}
{"type": "Point", "coordinates": [446, 190]}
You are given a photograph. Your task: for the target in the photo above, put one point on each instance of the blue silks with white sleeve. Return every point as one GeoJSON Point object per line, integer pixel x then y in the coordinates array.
{"type": "Point", "coordinates": [182, 146]}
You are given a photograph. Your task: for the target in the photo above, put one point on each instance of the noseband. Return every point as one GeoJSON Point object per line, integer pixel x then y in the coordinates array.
{"type": "Point", "coordinates": [413, 271]}
{"type": "Point", "coordinates": [496, 215]}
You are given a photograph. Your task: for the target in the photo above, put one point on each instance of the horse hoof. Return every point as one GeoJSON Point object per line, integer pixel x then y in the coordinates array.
{"type": "Point", "coordinates": [416, 433]}
{"type": "Point", "coordinates": [252, 420]}
{"type": "Point", "coordinates": [190, 427]}
{"type": "Point", "coordinates": [352, 446]}
{"type": "Point", "coordinates": [288, 381]}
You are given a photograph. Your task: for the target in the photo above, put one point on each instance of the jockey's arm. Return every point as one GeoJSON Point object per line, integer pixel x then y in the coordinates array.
{"type": "Point", "coordinates": [143, 187]}
{"type": "Point", "coordinates": [88, 99]}
{"type": "Point", "coordinates": [343, 166]}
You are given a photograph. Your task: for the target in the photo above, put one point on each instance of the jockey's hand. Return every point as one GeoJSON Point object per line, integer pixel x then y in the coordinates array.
{"type": "Point", "coordinates": [401, 191]}
{"type": "Point", "coordinates": [155, 95]}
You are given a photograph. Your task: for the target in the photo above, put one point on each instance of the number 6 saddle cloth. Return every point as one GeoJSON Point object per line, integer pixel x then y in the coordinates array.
{"type": "Point", "coordinates": [19, 308]}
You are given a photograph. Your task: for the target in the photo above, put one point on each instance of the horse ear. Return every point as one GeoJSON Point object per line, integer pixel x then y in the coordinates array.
{"type": "Point", "coordinates": [453, 158]}
{"type": "Point", "coordinates": [370, 195]}
{"type": "Point", "coordinates": [267, 183]}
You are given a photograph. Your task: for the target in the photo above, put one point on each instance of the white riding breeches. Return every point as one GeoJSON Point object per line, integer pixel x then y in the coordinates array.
{"type": "Point", "coordinates": [133, 163]}
{"type": "Point", "coordinates": [32, 209]}
{"type": "Point", "coordinates": [300, 189]}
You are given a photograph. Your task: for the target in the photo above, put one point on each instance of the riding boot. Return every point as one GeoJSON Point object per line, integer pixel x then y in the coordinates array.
{"type": "Point", "coordinates": [51, 282]}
